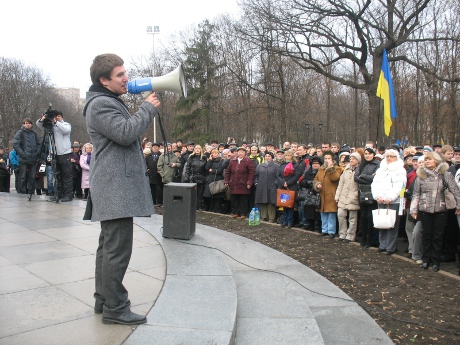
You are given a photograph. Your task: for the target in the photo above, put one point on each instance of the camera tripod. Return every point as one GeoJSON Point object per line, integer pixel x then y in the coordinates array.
{"type": "Point", "coordinates": [48, 147]}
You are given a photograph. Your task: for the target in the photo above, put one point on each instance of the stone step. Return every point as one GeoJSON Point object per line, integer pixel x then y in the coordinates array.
{"type": "Point", "coordinates": [198, 302]}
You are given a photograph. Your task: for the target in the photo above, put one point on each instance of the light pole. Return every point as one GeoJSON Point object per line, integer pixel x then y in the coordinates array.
{"type": "Point", "coordinates": [153, 30]}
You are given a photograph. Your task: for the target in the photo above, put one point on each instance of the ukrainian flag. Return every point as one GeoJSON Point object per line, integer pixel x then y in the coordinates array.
{"type": "Point", "coordinates": [385, 92]}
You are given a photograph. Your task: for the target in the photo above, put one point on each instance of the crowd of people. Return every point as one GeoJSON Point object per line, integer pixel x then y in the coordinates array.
{"type": "Point", "coordinates": [420, 183]}
{"type": "Point", "coordinates": [45, 159]}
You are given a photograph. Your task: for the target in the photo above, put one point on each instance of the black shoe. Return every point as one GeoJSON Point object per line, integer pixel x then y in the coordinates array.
{"type": "Point", "coordinates": [283, 225]}
{"type": "Point", "coordinates": [128, 318]}
{"type": "Point", "coordinates": [323, 234]}
{"type": "Point", "coordinates": [306, 227]}
{"type": "Point", "coordinates": [331, 236]}
{"type": "Point", "coordinates": [346, 241]}
{"type": "Point", "coordinates": [382, 250]}
{"type": "Point", "coordinates": [425, 265]}
{"type": "Point", "coordinates": [435, 268]}
{"type": "Point", "coordinates": [389, 253]}
{"type": "Point", "coordinates": [367, 246]}
{"type": "Point", "coordinates": [53, 198]}
{"type": "Point", "coordinates": [66, 198]}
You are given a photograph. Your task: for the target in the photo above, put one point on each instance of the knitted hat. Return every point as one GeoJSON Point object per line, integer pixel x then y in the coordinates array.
{"type": "Point", "coordinates": [357, 156]}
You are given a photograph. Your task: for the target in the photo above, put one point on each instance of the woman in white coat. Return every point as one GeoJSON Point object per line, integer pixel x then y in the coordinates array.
{"type": "Point", "coordinates": [85, 160]}
{"type": "Point", "coordinates": [387, 186]}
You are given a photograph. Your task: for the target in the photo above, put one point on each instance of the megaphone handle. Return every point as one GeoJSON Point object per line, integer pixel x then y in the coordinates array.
{"type": "Point", "coordinates": [145, 94]}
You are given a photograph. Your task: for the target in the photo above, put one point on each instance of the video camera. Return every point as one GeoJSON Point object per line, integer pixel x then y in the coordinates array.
{"type": "Point", "coordinates": [49, 114]}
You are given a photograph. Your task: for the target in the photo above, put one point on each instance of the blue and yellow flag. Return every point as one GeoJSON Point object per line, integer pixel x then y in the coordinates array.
{"type": "Point", "coordinates": [385, 92]}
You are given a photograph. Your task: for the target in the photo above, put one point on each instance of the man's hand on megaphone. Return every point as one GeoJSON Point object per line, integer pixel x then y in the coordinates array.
{"type": "Point", "coordinates": [152, 99]}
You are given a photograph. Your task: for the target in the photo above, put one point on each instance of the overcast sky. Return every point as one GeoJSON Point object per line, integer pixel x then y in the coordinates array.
{"type": "Point", "coordinates": [62, 37]}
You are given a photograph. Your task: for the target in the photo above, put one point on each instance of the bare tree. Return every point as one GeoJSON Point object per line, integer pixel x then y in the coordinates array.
{"type": "Point", "coordinates": [319, 35]}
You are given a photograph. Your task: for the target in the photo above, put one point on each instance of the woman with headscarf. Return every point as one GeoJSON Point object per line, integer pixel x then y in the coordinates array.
{"type": "Point", "coordinates": [326, 182]}
{"type": "Point", "coordinates": [364, 176]}
{"type": "Point", "coordinates": [287, 176]}
{"type": "Point", "coordinates": [266, 188]}
{"type": "Point", "coordinates": [429, 205]}
{"type": "Point", "coordinates": [389, 181]}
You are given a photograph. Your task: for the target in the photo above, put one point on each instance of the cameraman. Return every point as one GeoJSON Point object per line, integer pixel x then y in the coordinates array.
{"type": "Point", "coordinates": [61, 131]}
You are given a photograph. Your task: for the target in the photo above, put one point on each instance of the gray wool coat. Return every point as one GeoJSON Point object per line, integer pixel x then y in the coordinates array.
{"type": "Point", "coordinates": [117, 181]}
{"type": "Point", "coordinates": [265, 181]}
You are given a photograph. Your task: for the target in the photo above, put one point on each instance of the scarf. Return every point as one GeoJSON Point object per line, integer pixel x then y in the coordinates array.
{"type": "Point", "coordinates": [107, 92]}
{"type": "Point", "coordinates": [88, 158]}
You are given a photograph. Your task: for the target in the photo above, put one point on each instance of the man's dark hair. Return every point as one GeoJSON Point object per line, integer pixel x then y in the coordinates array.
{"type": "Point", "coordinates": [102, 66]}
{"type": "Point", "coordinates": [28, 120]}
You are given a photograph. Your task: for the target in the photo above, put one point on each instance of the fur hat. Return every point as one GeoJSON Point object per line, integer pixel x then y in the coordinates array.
{"type": "Point", "coordinates": [147, 151]}
{"type": "Point", "coordinates": [315, 159]}
{"type": "Point", "coordinates": [357, 156]}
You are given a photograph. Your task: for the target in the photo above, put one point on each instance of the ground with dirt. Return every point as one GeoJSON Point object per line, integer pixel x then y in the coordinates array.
{"type": "Point", "coordinates": [407, 302]}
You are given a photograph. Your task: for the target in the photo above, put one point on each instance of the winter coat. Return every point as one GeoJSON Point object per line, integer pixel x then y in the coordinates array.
{"type": "Point", "coordinates": [26, 143]}
{"type": "Point", "coordinates": [61, 131]}
{"type": "Point", "coordinates": [389, 180]}
{"type": "Point", "coordinates": [164, 166]}
{"type": "Point", "coordinates": [151, 160]}
{"type": "Point", "coordinates": [119, 187]}
{"type": "Point", "coordinates": [428, 194]}
{"type": "Point", "coordinates": [215, 171]}
{"type": "Point", "coordinates": [85, 167]}
{"type": "Point", "coordinates": [329, 178]}
{"type": "Point", "coordinates": [265, 178]}
{"type": "Point", "coordinates": [347, 191]}
{"type": "Point", "coordinates": [4, 165]}
{"type": "Point", "coordinates": [14, 160]}
{"type": "Point", "coordinates": [364, 174]}
{"type": "Point", "coordinates": [291, 180]}
{"type": "Point", "coordinates": [240, 175]}
{"type": "Point", "coordinates": [194, 170]}
{"type": "Point", "coordinates": [76, 168]}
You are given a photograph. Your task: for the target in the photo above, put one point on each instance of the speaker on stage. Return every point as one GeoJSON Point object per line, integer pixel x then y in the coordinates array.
{"type": "Point", "coordinates": [179, 214]}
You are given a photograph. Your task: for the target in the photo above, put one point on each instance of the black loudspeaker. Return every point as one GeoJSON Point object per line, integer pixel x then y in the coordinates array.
{"type": "Point", "coordinates": [179, 213]}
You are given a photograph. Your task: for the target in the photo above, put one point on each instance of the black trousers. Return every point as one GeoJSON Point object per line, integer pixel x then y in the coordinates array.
{"type": "Point", "coordinates": [449, 247]}
{"type": "Point", "coordinates": [65, 176]}
{"type": "Point", "coordinates": [112, 260]}
{"type": "Point", "coordinates": [240, 204]}
{"type": "Point", "coordinates": [432, 235]}
{"type": "Point", "coordinates": [366, 223]}
{"type": "Point", "coordinates": [26, 182]}
{"type": "Point", "coordinates": [5, 183]}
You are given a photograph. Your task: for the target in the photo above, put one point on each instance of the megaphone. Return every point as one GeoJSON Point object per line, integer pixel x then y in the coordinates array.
{"type": "Point", "coordinates": [174, 81]}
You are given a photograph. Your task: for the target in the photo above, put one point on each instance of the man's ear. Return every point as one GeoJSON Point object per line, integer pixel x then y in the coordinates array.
{"type": "Point", "coordinates": [103, 81]}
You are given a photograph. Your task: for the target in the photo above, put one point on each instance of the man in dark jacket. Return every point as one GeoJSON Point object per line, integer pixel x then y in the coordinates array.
{"type": "Point", "coordinates": [119, 187]}
{"type": "Point", "coordinates": [26, 143]}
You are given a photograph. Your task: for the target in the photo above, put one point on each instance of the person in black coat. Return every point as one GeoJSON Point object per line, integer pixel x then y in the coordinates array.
{"type": "Point", "coordinates": [215, 169]}
{"type": "Point", "coordinates": [26, 143]}
{"type": "Point", "coordinates": [287, 178]}
{"type": "Point", "coordinates": [195, 173]}
{"type": "Point", "coordinates": [312, 216]}
{"type": "Point", "coordinates": [364, 176]}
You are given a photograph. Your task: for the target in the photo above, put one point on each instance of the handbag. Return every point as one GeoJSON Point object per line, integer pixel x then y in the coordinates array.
{"type": "Point", "coordinates": [301, 195]}
{"type": "Point", "coordinates": [384, 218]}
{"type": "Point", "coordinates": [365, 195]}
{"type": "Point", "coordinates": [448, 196]}
{"type": "Point", "coordinates": [285, 198]}
{"type": "Point", "coordinates": [217, 187]}
{"type": "Point", "coordinates": [313, 199]}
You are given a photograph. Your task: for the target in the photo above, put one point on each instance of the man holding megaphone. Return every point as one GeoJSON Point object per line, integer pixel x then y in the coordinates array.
{"type": "Point", "coordinates": [119, 188]}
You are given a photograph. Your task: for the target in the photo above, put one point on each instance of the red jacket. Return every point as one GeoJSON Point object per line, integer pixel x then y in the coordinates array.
{"type": "Point", "coordinates": [239, 175]}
